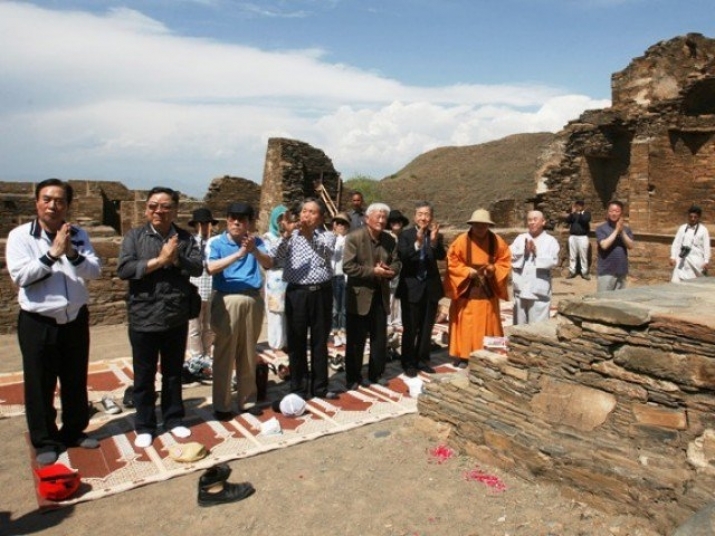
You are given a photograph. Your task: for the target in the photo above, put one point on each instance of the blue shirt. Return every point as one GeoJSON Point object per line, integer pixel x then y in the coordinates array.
{"type": "Point", "coordinates": [614, 260]}
{"type": "Point", "coordinates": [240, 275]}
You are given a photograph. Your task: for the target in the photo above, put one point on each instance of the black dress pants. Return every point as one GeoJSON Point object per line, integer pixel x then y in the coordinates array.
{"type": "Point", "coordinates": [417, 321]}
{"type": "Point", "coordinates": [147, 346]}
{"type": "Point", "coordinates": [309, 309]}
{"type": "Point", "coordinates": [52, 352]}
{"type": "Point", "coordinates": [358, 328]}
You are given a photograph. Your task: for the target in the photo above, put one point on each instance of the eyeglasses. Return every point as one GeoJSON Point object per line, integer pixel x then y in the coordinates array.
{"type": "Point", "coordinates": [154, 207]}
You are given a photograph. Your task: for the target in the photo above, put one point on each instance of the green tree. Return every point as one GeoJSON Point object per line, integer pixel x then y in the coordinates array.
{"type": "Point", "coordinates": [369, 187]}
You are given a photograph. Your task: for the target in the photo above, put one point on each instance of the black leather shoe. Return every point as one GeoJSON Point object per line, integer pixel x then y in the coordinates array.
{"type": "Point", "coordinates": [229, 493]}
{"type": "Point", "coordinates": [214, 475]}
{"type": "Point", "coordinates": [352, 386]}
{"type": "Point", "coordinates": [253, 410]}
{"type": "Point", "coordinates": [424, 367]}
{"type": "Point", "coordinates": [330, 395]}
{"type": "Point", "coordinates": [411, 372]}
{"type": "Point", "coordinates": [223, 416]}
{"type": "Point", "coordinates": [128, 398]}
{"type": "Point", "coordinates": [460, 363]}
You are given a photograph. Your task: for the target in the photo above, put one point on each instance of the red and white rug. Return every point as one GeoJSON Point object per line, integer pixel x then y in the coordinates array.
{"type": "Point", "coordinates": [118, 466]}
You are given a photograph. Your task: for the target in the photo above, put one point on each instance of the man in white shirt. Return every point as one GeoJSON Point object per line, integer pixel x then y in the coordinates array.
{"type": "Point", "coordinates": [533, 255]}
{"type": "Point", "coordinates": [690, 251]}
{"type": "Point", "coordinates": [49, 260]}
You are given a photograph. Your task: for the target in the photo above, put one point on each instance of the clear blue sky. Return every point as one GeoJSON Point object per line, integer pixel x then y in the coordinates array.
{"type": "Point", "coordinates": [177, 92]}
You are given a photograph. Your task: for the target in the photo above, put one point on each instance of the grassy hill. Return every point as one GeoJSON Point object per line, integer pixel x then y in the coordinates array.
{"type": "Point", "coordinates": [459, 180]}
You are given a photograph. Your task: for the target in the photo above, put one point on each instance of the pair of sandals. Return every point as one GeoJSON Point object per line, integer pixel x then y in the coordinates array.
{"type": "Point", "coordinates": [215, 489]}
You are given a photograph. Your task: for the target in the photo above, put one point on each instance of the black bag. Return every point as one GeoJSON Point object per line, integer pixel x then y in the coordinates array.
{"type": "Point", "coordinates": [194, 302]}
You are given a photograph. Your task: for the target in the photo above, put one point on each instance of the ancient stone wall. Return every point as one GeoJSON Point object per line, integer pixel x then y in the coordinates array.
{"type": "Point", "coordinates": [653, 149]}
{"type": "Point", "coordinates": [292, 170]}
{"type": "Point", "coordinates": [225, 190]}
{"type": "Point", "coordinates": [613, 400]}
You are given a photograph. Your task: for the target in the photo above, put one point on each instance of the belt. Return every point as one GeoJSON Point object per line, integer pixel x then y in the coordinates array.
{"type": "Point", "coordinates": [310, 288]}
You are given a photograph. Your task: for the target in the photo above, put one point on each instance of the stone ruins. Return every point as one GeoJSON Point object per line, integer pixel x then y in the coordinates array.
{"type": "Point", "coordinates": [612, 400]}
{"type": "Point", "coordinates": [653, 149]}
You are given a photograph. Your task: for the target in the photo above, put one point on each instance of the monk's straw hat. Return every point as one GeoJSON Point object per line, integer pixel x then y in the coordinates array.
{"type": "Point", "coordinates": [481, 216]}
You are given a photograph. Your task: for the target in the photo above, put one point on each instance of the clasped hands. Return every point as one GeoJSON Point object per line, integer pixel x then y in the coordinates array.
{"type": "Point", "coordinates": [62, 245]}
{"type": "Point", "coordinates": [169, 253]}
{"type": "Point", "coordinates": [383, 270]}
{"type": "Point", "coordinates": [485, 271]}
{"type": "Point", "coordinates": [433, 231]}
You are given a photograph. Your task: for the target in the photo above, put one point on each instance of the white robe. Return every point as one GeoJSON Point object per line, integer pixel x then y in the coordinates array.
{"type": "Point", "coordinates": [698, 240]}
{"type": "Point", "coordinates": [531, 277]}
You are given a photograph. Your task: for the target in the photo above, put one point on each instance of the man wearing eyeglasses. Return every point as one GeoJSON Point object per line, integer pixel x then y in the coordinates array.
{"type": "Point", "coordinates": [157, 259]}
{"type": "Point", "coordinates": [49, 260]}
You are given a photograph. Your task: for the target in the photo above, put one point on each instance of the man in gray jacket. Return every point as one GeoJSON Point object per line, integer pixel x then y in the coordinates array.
{"type": "Point", "coordinates": [157, 260]}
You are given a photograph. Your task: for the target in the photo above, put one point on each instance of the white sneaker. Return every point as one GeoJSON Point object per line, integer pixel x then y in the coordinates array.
{"type": "Point", "coordinates": [182, 432]}
{"type": "Point", "coordinates": [143, 441]}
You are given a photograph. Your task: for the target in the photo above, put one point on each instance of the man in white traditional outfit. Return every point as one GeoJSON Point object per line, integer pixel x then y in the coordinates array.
{"type": "Point", "coordinates": [690, 251]}
{"type": "Point", "coordinates": [533, 255]}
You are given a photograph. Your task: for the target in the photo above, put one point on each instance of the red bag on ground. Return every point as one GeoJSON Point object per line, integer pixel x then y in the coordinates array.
{"type": "Point", "coordinates": [57, 481]}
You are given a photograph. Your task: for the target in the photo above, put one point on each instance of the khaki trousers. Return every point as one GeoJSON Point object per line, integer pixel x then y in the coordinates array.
{"type": "Point", "coordinates": [236, 320]}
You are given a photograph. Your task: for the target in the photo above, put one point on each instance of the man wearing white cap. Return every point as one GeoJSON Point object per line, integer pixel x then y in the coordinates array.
{"type": "Point", "coordinates": [478, 266]}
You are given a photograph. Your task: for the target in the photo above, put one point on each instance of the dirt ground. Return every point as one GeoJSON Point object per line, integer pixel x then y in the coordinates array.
{"type": "Point", "coordinates": [381, 479]}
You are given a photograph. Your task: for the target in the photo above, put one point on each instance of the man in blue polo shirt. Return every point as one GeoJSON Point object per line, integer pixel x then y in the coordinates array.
{"type": "Point", "coordinates": [237, 309]}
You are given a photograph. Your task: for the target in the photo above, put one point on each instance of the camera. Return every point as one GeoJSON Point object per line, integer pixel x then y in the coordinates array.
{"type": "Point", "coordinates": [684, 251]}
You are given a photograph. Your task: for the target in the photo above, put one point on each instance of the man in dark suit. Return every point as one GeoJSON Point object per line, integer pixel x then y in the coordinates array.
{"type": "Point", "coordinates": [370, 260]}
{"type": "Point", "coordinates": [420, 288]}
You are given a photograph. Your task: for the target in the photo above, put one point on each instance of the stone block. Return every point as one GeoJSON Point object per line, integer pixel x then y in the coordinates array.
{"type": "Point", "coordinates": [701, 452]}
{"type": "Point", "coordinates": [681, 369]}
{"type": "Point", "coordinates": [605, 311]}
{"type": "Point", "coordinates": [649, 415]}
{"type": "Point", "coordinates": [576, 406]}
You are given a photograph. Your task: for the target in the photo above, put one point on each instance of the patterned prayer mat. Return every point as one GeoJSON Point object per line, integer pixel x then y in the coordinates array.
{"type": "Point", "coordinates": [118, 466]}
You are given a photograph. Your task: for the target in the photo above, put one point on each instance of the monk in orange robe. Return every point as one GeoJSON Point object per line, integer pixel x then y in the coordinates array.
{"type": "Point", "coordinates": [478, 267]}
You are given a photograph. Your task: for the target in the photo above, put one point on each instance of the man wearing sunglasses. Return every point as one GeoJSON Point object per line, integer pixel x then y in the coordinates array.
{"type": "Point", "coordinates": [157, 259]}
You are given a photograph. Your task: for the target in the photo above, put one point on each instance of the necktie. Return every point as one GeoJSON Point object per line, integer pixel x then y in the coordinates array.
{"type": "Point", "coordinates": [422, 268]}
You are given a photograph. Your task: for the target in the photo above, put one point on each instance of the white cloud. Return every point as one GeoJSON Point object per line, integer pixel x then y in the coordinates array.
{"type": "Point", "coordinates": [121, 97]}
